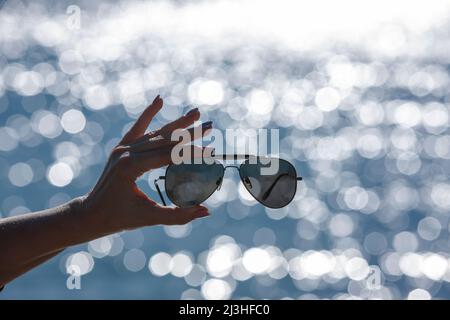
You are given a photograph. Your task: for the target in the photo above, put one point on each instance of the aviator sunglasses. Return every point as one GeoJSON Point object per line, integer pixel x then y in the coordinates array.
{"type": "Point", "coordinates": [189, 184]}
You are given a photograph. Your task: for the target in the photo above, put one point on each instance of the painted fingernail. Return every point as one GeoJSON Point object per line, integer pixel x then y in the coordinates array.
{"type": "Point", "coordinates": [202, 213]}
{"type": "Point", "coordinates": [192, 112]}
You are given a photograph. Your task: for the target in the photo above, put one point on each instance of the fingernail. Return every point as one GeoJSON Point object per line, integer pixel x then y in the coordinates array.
{"type": "Point", "coordinates": [201, 209]}
{"type": "Point", "coordinates": [207, 124]}
{"type": "Point", "coordinates": [191, 112]}
{"type": "Point", "coordinates": [202, 213]}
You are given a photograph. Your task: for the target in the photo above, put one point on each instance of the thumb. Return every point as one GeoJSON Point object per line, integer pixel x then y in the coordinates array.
{"type": "Point", "coordinates": [177, 216]}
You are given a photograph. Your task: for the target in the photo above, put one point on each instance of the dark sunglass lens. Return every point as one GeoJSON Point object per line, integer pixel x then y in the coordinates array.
{"type": "Point", "coordinates": [273, 184]}
{"type": "Point", "coordinates": [191, 184]}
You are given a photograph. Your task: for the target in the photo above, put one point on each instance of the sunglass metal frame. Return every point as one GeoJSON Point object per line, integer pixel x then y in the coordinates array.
{"type": "Point", "coordinates": [227, 157]}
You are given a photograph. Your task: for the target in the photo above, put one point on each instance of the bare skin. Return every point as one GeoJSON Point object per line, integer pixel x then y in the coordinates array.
{"type": "Point", "coordinates": [115, 203]}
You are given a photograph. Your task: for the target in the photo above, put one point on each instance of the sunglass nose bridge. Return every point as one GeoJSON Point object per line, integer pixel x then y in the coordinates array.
{"type": "Point", "coordinates": [220, 180]}
{"type": "Point", "coordinates": [236, 167]}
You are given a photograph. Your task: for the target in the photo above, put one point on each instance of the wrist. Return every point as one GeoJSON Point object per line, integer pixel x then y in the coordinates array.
{"type": "Point", "coordinates": [92, 219]}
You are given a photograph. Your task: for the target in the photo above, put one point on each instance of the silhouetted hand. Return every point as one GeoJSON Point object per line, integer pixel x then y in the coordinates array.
{"type": "Point", "coordinates": [115, 203]}
{"type": "Point", "coordinates": [116, 200]}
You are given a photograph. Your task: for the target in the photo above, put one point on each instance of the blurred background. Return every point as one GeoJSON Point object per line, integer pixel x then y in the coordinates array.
{"type": "Point", "coordinates": [358, 89]}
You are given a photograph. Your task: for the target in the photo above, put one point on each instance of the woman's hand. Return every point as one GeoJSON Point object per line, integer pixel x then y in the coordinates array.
{"type": "Point", "coordinates": [116, 201]}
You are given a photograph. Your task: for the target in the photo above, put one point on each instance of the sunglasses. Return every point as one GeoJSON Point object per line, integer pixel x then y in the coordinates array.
{"type": "Point", "coordinates": [271, 181]}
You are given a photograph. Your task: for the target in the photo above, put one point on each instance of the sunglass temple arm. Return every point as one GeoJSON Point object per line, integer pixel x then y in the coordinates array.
{"type": "Point", "coordinates": [159, 190]}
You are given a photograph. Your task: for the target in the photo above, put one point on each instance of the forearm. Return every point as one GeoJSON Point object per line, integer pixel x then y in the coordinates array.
{"type": "Point", "coordinates": [10, 275]}
{"type": "Point", "coordinates": [30, 239]}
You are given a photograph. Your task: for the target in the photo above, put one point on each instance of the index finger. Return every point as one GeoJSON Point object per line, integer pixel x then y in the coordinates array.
{"type": "Point", "coordinates": [141, 124]}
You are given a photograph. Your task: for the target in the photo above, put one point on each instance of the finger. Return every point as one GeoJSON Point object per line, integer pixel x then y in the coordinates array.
{"type": "Point", "coordinates": [141, 124]}
{"type": "Point", "coordinates": [145, 161]}
{"type": "Point", "coordinates": [151, 144]}
{"type": "Point", "coordinates": [182, 122]}
{"type": "Point", "coordinates": [141, 195]}
{"type": "Point", "coordinates": [158, 142]}
{"type": "Point", "coordinates": [146, 137]}
{"type": "Point", "coordinates": [191, 134]}
{"type": "Point", "coordinates": [200, 131]}
{"type": "Point", "coordinates": [177, 216]}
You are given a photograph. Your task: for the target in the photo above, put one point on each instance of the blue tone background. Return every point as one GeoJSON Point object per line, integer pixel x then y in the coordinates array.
{"type": "Point", "coordinates": [359, 94]}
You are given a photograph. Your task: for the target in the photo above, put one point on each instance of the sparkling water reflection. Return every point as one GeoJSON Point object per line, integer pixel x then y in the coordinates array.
{"type": "Point", "coordinates": [365, 122]}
